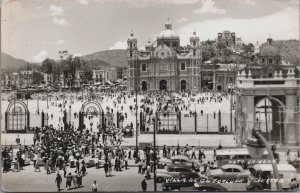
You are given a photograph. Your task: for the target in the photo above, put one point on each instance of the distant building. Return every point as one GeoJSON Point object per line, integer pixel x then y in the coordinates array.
{"type": "Point", "coordinates": [121, 72]}
{"type": "Point", "coordinates": [99, 77]}
{"type": "Point", "coordinates": [48, 79]}
{"type": "Point", "coordinates": [227, 38]}
{"type": "Point", "coordinates": [111, 74]}
{"type": "Point", "coordinates": [269, 63]}
{"type": "Point", "coordinates": [238, 44]}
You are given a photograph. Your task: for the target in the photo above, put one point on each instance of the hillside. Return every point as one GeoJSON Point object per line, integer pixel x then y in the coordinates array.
{"type": "Point", "coordinates": [289, 50]}
{"type": "Point", "coordinates": [97, 64]}
{"type": "Point", "coordinates": [10, 63]}
{"type": "Point", "coordinates": [116, 58]}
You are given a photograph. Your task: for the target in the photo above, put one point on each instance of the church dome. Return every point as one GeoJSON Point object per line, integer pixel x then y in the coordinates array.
{"type": "Point", "coordinates": [168, 33]}
{"type": "Point", "coordinates": [269, 50]}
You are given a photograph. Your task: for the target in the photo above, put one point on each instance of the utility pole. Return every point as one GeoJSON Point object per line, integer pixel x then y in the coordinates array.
{"type": "Point", "coordinates": [154, 148]}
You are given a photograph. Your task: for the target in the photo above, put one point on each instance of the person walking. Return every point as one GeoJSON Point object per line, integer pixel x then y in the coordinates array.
{"type": "Point", "coordinates": [140, 166]}
{"type": "Point", "coordinates": [95, 186]}
{"type": "Point", "coordinates": [58, 181]}
{"type": "Point", "coordinates": [18, 141]}
{"type": "Point", "coordinates": [109, 169]}
{"type": "Point", "coordinates": [69, 181]}
{"type": "Point", "coordinates": [193, 153]}
{"type": "Point", "coordinates": [106, 169]}
{"type": "Point", "coordinates": [144, 185]}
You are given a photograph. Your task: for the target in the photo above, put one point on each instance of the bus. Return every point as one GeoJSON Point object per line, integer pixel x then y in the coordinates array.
{"type": "Point", "coordinates": [236, 156]}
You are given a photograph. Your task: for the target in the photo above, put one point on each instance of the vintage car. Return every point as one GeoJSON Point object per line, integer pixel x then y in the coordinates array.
{"type": "Point", "coordinates": [204, 187]}
{"type": "Point", "coordinates": [171, 171]}
{"type": "Point", "coordinates": [180, 160]}
{"type": "Point", "coordinates": [229, 172]}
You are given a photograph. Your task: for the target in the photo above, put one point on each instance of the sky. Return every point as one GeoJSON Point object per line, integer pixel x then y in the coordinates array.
{"type": "Point", "coordinates": [36, 29]}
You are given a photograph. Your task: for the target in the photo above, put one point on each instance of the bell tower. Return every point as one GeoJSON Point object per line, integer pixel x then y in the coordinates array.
{"type": "Point", "coordinates": [195, 52]}
{"type": "Point", "coordinates": [132, 53]}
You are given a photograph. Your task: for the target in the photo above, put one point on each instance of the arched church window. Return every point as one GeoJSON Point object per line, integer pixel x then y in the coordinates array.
{"type": "Point", "coordinates": [270, 61]}
{"type": "Point", "coordinates": [182, 66]}
{"type": "Point", "coordinates": [144, 67]}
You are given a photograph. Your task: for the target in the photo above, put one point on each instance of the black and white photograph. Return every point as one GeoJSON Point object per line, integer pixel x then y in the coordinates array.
{"type": "Point", "coordinates": [150, 95]}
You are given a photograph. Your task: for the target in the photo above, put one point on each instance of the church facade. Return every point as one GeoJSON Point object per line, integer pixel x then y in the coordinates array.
{"type": "Point", "coordinates": [164, 64]}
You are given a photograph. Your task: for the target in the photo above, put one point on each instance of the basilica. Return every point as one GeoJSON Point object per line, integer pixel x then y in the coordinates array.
{"type": "Point", "coordinates": [164, 64]}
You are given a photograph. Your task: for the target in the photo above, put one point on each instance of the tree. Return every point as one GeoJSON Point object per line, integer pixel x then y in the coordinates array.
{"type": "Point", "coordinates": [37, 78]}
{"type": "Point", "coordinates": [87, 72]}
{"type": "Point", "coordinates": [48, 65]}
{"type": "Point", "coordinates": [69, 65]}
{"type": "Point", "coordinates": [221, 45]}
{"type": "Point", "coordinates": [248, 48]}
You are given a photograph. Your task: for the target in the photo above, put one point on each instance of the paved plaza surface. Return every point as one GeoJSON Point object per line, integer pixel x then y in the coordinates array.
{"type": "Point", "coordinates": [205, 140]}
{"type": "Point", "coordinates": [208, 107]}
{"type": "Point", "coordinates": [126, 180]}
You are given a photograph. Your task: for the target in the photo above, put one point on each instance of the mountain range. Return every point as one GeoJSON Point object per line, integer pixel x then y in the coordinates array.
{"type": "Point", "coordinates": [289, 50]}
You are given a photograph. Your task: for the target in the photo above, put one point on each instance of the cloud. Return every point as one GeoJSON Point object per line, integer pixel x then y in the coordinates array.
{"type": "Point", "coordinates": [183, 2]}
{"type": "Point", "coordinates": [57, 13]}
{"type": "Point", "coordinates": [57, 42]}
{"type": "Point", "coordinates": [145, 3]}
{"type": "Point", "coordinates": [83, 2]}
{"type": "Point", "coordinates": [60, 21]}
{"type": "Point", "coordinates": [41, 56]}
{"type": "Point", "coordinates": [250, 3]}
{"type": "Point", "coordinates": [77, 55]}
{"type": "Point", "coordinates": [251, 30]}
{"type": "Point", "coordinates": [119, 45]}
{"type": "Point", "coordinates": [208, 7]}
{"type": "Point", "coordinates": [56, 10]}
{"type": "Point", "coordinates": [181, 20]}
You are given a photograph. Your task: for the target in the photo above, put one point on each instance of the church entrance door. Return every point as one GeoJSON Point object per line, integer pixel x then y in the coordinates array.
{"type": "Point", "coordinates": [183, 85]}
{"type": "Point", "coordinates": [163, 85]}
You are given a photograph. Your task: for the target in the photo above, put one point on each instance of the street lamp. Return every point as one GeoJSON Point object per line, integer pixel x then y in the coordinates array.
{"type": "Point", "coordinates": [47, 98]}
{"type": "Point", "coordinates": [154, 151]}
{"type": "Point", "coordinates": [136, 116]}
{"type": "Point", "coordinates": [38, 108]}
{"type": "Point", "coordinates": [256, 146]}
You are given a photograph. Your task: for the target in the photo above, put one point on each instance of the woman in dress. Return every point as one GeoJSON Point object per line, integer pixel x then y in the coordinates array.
{"type": "Point", "coordinates": [109, 169]}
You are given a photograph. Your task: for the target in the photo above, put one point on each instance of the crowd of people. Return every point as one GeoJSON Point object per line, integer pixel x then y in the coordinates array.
{"type": "Point", "coordinates": [58, 147]}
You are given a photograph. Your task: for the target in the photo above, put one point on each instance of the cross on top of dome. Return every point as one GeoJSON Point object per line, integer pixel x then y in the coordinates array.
{"type": "Point", "coordinates": [168, 25]}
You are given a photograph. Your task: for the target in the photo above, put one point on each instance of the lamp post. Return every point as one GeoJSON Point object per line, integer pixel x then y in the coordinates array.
{"type": "Point", "coordinates": [38, 106]}
{"type": "Point", "coordinates": [47, 98]}
{"type": "Point", "coordinates": [136, 117]}
{"type": "Point", "coordinates": [154, 151]}
{"type": "Point", "coordinates": [256, 146]}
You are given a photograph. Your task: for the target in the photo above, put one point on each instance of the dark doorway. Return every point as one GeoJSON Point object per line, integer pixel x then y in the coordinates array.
{"type": "Point", "coordinates": [144, 86]}
{"type": "Point", "coordinates": [163, 85]}
{"type": "Point", "coordinates": [183, 85]}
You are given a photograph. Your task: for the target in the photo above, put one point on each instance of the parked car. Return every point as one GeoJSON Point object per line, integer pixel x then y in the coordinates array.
{"type": "Point", "coordinates": [184, 180]}
{"type": "Point", "coordinates": [229, 172]}
{"type": "Point", "coordinates": [171, 171]}
{"type": "Point", "coordinates": [180, 160]}
{"type": "Point", "coordinates": [204, 187]}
